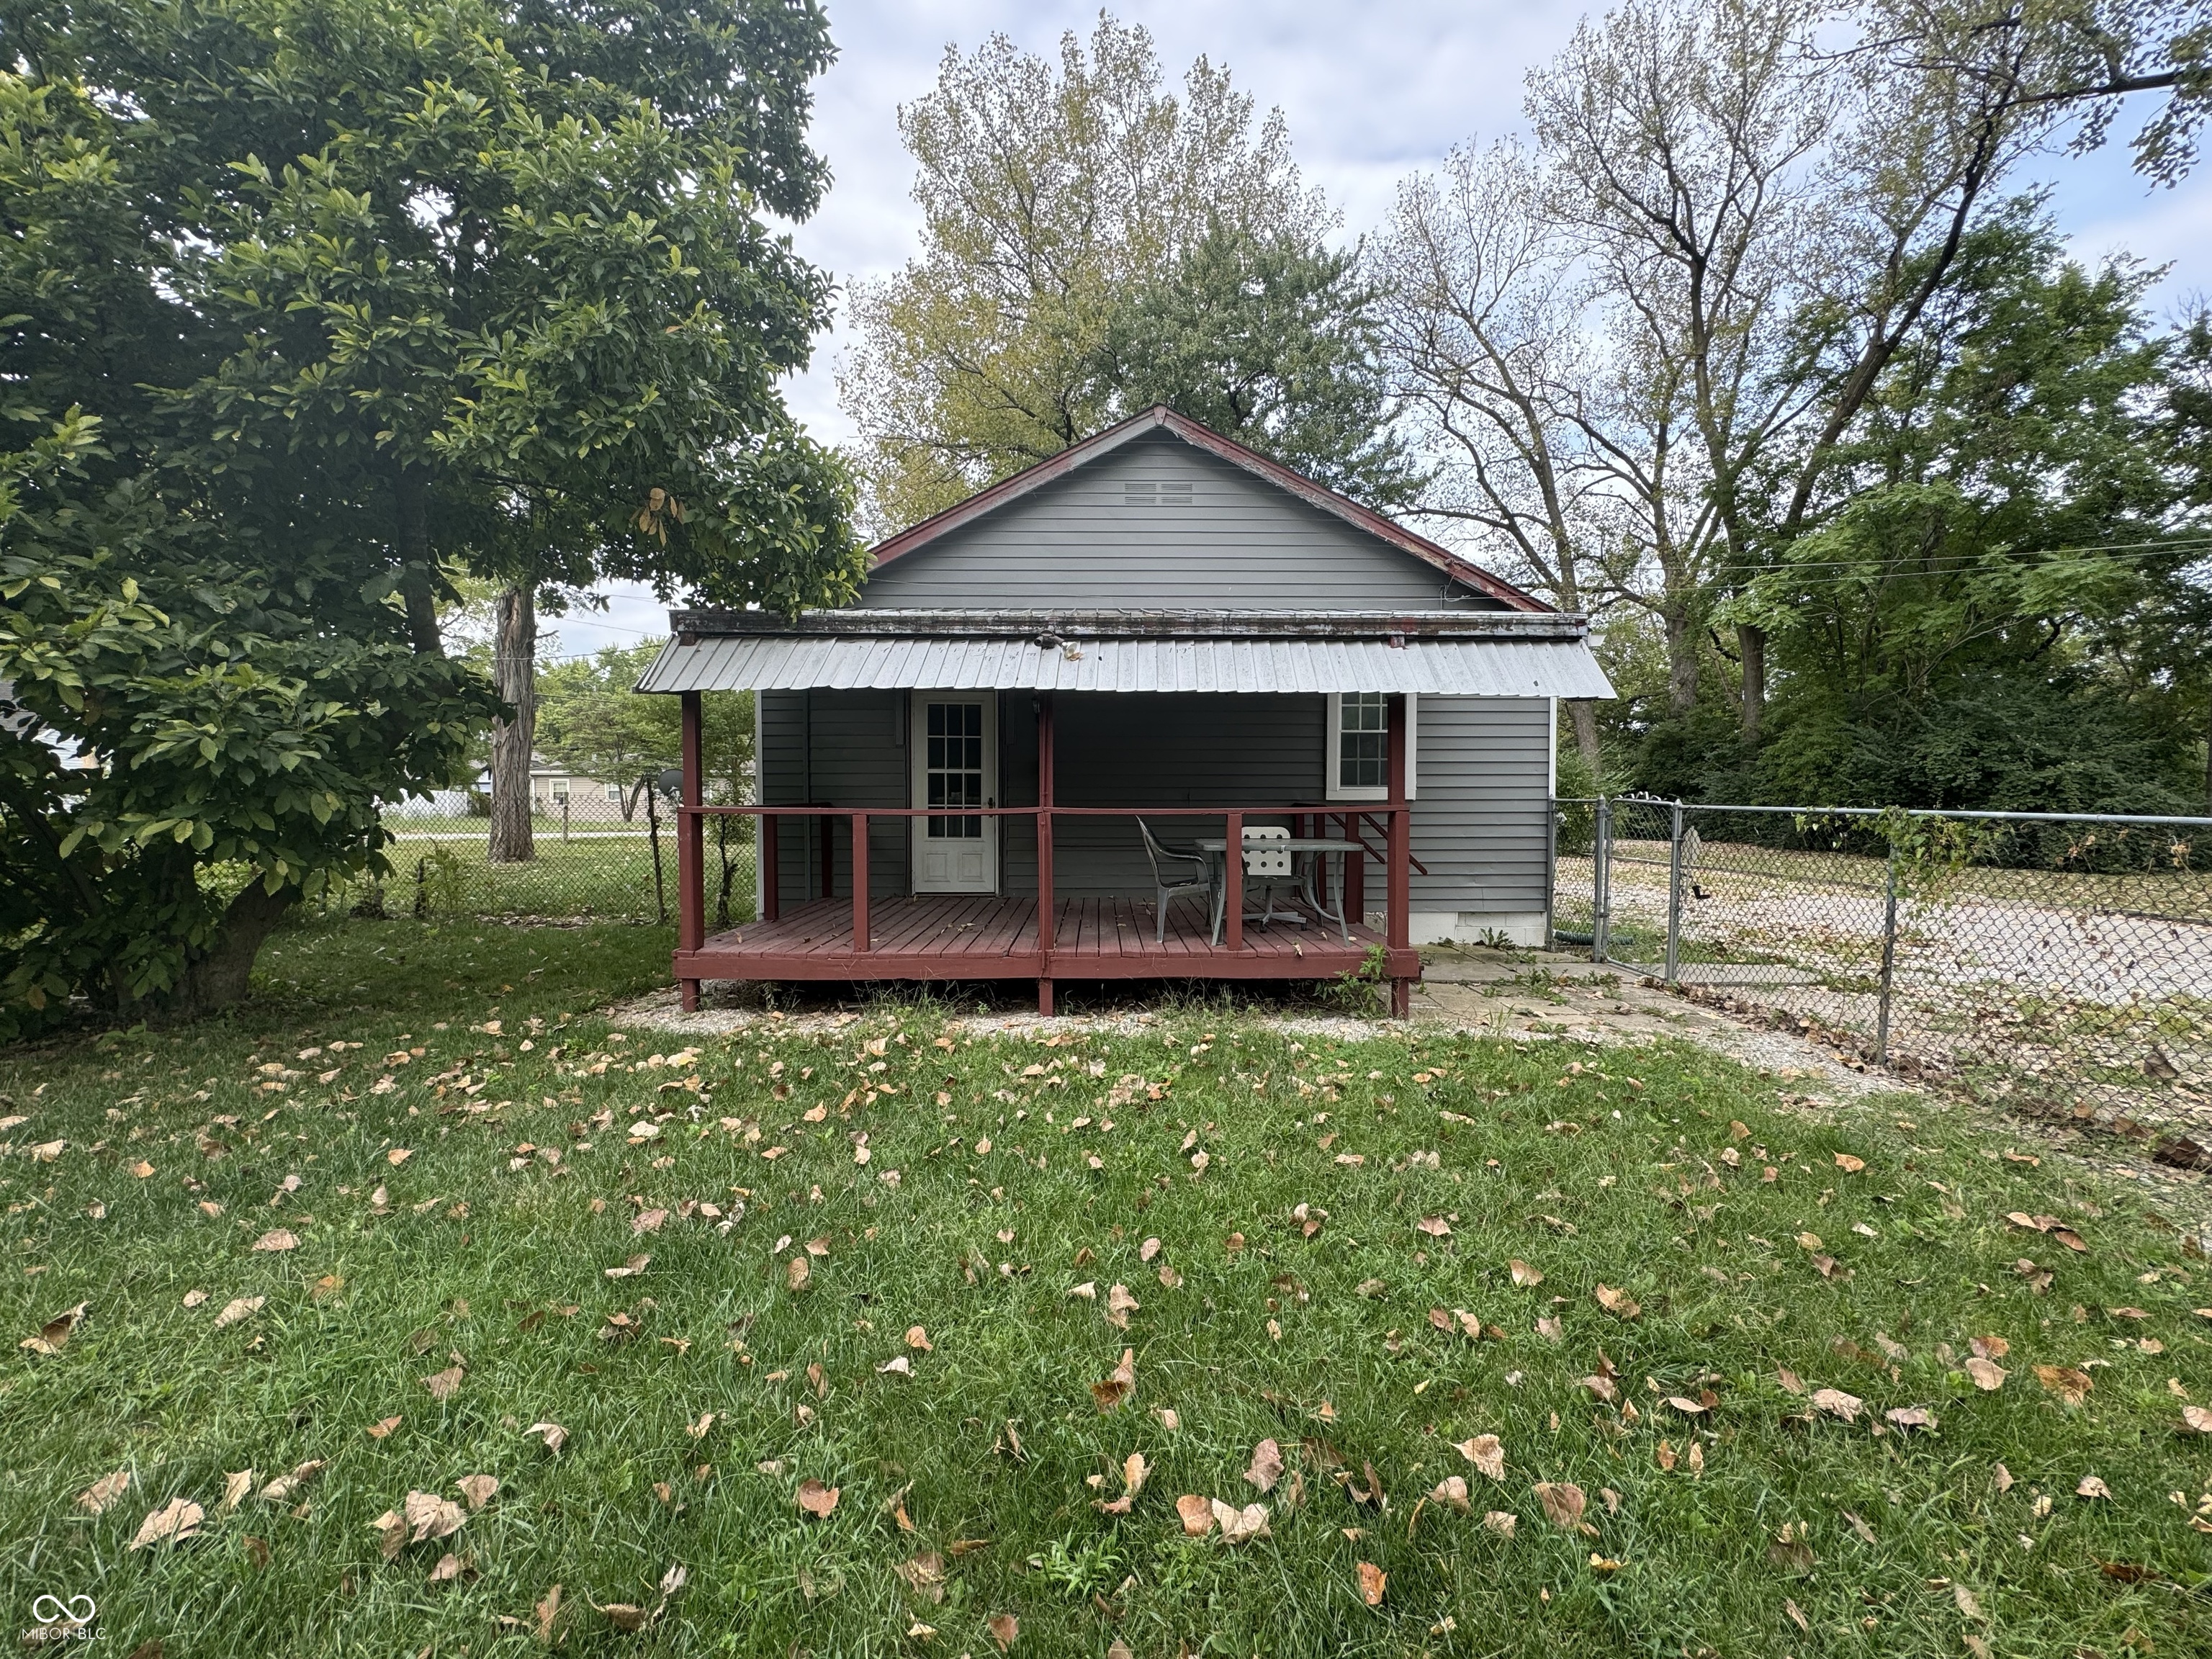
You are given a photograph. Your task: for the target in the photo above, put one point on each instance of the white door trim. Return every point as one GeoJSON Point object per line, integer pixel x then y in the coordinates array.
{"type": "Point", "coordinates": [955, 864]}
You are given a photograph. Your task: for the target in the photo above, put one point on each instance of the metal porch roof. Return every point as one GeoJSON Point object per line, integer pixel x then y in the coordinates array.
{"type": "Point", "coordinates": [1433, 667]}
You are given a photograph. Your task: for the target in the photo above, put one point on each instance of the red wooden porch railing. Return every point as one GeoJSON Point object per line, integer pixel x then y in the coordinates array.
{"type": "Point", "coordinates": [1393, 817]}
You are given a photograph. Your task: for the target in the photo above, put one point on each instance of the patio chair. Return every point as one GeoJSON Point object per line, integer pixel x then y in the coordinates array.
{"type": "Point", "coordinates": [1267, 865]}
{"type": "Point", "coordinates": [1197, 877]}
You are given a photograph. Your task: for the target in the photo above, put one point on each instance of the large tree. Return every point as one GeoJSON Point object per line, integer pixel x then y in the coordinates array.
{"type": "Point", "coordinates": [1271, 341]}
{"type": "Point", "coordinates": [1048, 194]}
{"type": "Point", "coordinates": [362, 294]}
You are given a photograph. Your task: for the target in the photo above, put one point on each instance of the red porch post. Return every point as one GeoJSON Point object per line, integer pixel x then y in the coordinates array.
{"type": "Point", "coordinates": [1048, 914]}
{"type": "Point", "coordinates": [690, 848]}
{"type": "Point", "coordinates": [860, 881]}
{"type": "Point", "coordinates": [1355, 870]}
{"type": "Point", "coordinates": [1399, 921]}
{"type": "Point", "coordinates": [1232, 883]}
{"type": "Point", "coordinates": [771, 905]}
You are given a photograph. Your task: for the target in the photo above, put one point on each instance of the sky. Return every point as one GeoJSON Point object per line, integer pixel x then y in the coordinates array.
{"type": "Point", "coordinates": [1372, 90]}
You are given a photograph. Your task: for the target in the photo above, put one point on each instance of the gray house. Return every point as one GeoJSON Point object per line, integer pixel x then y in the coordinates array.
{"type": "Point", "coordinates": [1049, 699]}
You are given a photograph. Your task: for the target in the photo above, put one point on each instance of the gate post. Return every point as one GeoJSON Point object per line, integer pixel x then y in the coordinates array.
{"type": "Point", "coordinates": [1601, 882]}
{"type": "Point", "coordinates": [1889, 959]}
{"type": "Point", "coordinates": [1675, 899]}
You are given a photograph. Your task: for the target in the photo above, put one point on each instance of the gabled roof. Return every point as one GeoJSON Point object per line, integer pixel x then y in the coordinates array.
{"type": "Point", "coordinates": [1159, 417]}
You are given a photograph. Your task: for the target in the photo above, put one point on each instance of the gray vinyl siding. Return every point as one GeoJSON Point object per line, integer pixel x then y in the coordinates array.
{"type": "Point", "coordinates": [1482, 812]}
{"type": "Point", "coordinates": [856, 761]}
{"type": "Point", "coordinates": [1481, 818]}
{"type": "Point", "coordinates": [1241, 543]}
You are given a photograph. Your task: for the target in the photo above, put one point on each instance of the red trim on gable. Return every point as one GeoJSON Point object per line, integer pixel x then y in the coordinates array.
{"type": "Point", "coordinates": [1227, 449]}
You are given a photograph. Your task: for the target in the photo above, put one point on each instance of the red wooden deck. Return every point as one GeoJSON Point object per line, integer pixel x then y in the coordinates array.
{"type": "Point", "coordinates": [959, 937]}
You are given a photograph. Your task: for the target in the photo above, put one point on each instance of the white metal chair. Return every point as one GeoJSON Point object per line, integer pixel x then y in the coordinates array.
{"type": "Point", "coordinates": [1166, 884]}
{"type": "Point", "coordinates": [1267, 865]}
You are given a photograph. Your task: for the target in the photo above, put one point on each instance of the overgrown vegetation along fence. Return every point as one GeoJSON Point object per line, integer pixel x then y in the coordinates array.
{"type": "Point", "coordinates": [2061, 963]}
{"type": "Point", "coordinates": [442, 869]}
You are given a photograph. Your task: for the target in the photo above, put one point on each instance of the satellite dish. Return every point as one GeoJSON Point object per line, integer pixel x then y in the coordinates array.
{"type": "Point", "coordinates": [670, 782]}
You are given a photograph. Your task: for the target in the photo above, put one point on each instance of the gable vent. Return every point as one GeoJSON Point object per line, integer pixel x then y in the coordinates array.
{"type": "Point", "coordinates": [1156, 492]}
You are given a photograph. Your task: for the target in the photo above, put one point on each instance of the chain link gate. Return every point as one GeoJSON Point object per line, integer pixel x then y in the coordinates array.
{"type": "Point", "coordinates": [2059, 963]}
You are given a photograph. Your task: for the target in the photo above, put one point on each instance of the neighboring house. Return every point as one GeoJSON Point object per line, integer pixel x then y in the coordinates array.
{"type": "Point", "coordinates": [1161, 623]}
{"type": "Point", "coordinates": [552, 787]}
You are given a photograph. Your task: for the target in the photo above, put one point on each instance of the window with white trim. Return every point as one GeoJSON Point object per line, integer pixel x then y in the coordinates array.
{"type": "Point", "coordinates": [1358, 757]}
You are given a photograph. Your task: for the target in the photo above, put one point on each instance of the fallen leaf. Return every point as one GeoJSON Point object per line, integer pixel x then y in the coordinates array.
{"type": "Point", "coordinates": [2090, 1487]}
{"type": "Point", "coordinates": [1849, 1164]}
{"type": "Point", "coordinates": [1620, 1304]}
{"type": "Point", "coordinates": [1487, 1453]}
{"type": "Point", "coordinates": [429, 1516]}
{"type": "Point", "coordinates": [1911, 1417]}
{"type": "Point", "coordinates": [796, 1273]}
{"type": "Point", "coordinates": [923, 1576]}
{"type": "Point", "coordinates": [2071, 1386]}
{"type": "Point", "coordinates": [1197, 1514]}
{"type": "Point", "coordinates": [194, 1298]}
{"type": "Point", "coordinates": [816, 1499]}
{"type": "Point", "coordinates": [1240, 1526]}
{"type": "Point", "coordinates": [1434, 1225]}
{"type": "Point", "coordinates": [1119, 1304]}
{"type": "Point", "coordinates": [1524, 1275]}
{"type": "Point", "coordinates": [1004, 1628]}
{"type": "Point", "coordinates": [1267, 1465]}
{"type": "Point", "coordinates": [1372, 1580]}
{"type": "Point", "coordinates": [277, 1238]}
{"type": "Point", "coordinates": [1989, 1376]}
{"type": "Point", "coordinates": [1563, 1503]}
{"type": "Point", "coordinates": [552, 1434]}
{"type": "Point", "coordinates": [56, 1331]}
{"type": "Point", "coordinates": [284, 1486]}
{"type": "Point", "coordinates": [173, 1522]}
{"type": "Point", "coordinates": [544, 1614]}
{"type": "Point", "coordinates": [478, 1489]}
{"type": "Point", "coordinates": [1501, 1523]}
{"type": "Point", "coordinates": [398, 1155]}
{"type": "Point", "coordinates": [896, 1365]}
{"type": "Point", "coordinates": [448, 1569]}
{"type": "Point", "coordinates": [443, 1385]}
{"type": "Point", "coordinates": [918, 1339]}
{"type": "Point", "coordinates": [2198, 1417]}
{"type": "Point", "coordinates": [1552, 1330]}
{"type": "Point", "coordinates": [1450, 1492]}
{"type": "Point", "coordinates": [1837, 1403]}
{"type": "Point", "coordinates": [648, 1221]}
{"type": "Point", "coordinates": [104, 1492]}
{"type": "Point", "coordinates": [238, 1308]}
{"type": "Point", "coordinates": [378, 1430]}
{"type": "Point", "coordinates": [1118, 1387]}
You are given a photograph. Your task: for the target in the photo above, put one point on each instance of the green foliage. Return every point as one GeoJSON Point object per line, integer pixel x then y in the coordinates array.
{"type": "Point", "coordinates": [305, 306]}
{"type": "Point", "coordinates": [1048, 194]}
{"type": "Point", "coordinates": [590, 720]}
{"type": "Point", "coordinates": [1993, 609]}
{"type": "Point", "coordinates": [241, 730]}
{"type": "Point", "coordinates": [1269, 340]}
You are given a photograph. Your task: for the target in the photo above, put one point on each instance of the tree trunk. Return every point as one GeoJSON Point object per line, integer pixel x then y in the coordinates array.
{"type": "Point", "coordinates": [1751, 642]}
{"type": "Point", "coordinates": [218, 978]}
{"type": "Point", "coordinates": [1582, 712]}
{"type": "Point", "coordinates": [514, 677]}
{"type": "Point", "coordinates": [411, 502]}
{"type": "Point", "coordinates": [1681, 662]}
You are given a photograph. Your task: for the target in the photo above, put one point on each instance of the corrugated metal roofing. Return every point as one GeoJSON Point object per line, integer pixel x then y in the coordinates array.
{"type": "Point", "coordinates": [1444, 668]}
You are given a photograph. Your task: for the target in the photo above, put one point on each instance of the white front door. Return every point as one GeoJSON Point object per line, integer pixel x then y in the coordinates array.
{"type": "Point", "coordinates": [955, 745]}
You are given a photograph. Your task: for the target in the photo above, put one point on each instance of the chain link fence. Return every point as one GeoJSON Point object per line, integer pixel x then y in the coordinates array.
{"type": "Point", "coordinates": [442, 870]}
{"type": "Point", "coordinates": [2058, 964]}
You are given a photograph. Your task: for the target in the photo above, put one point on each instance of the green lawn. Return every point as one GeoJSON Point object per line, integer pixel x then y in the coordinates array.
{"type": "Point", "coordinates": [436, 1236]}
